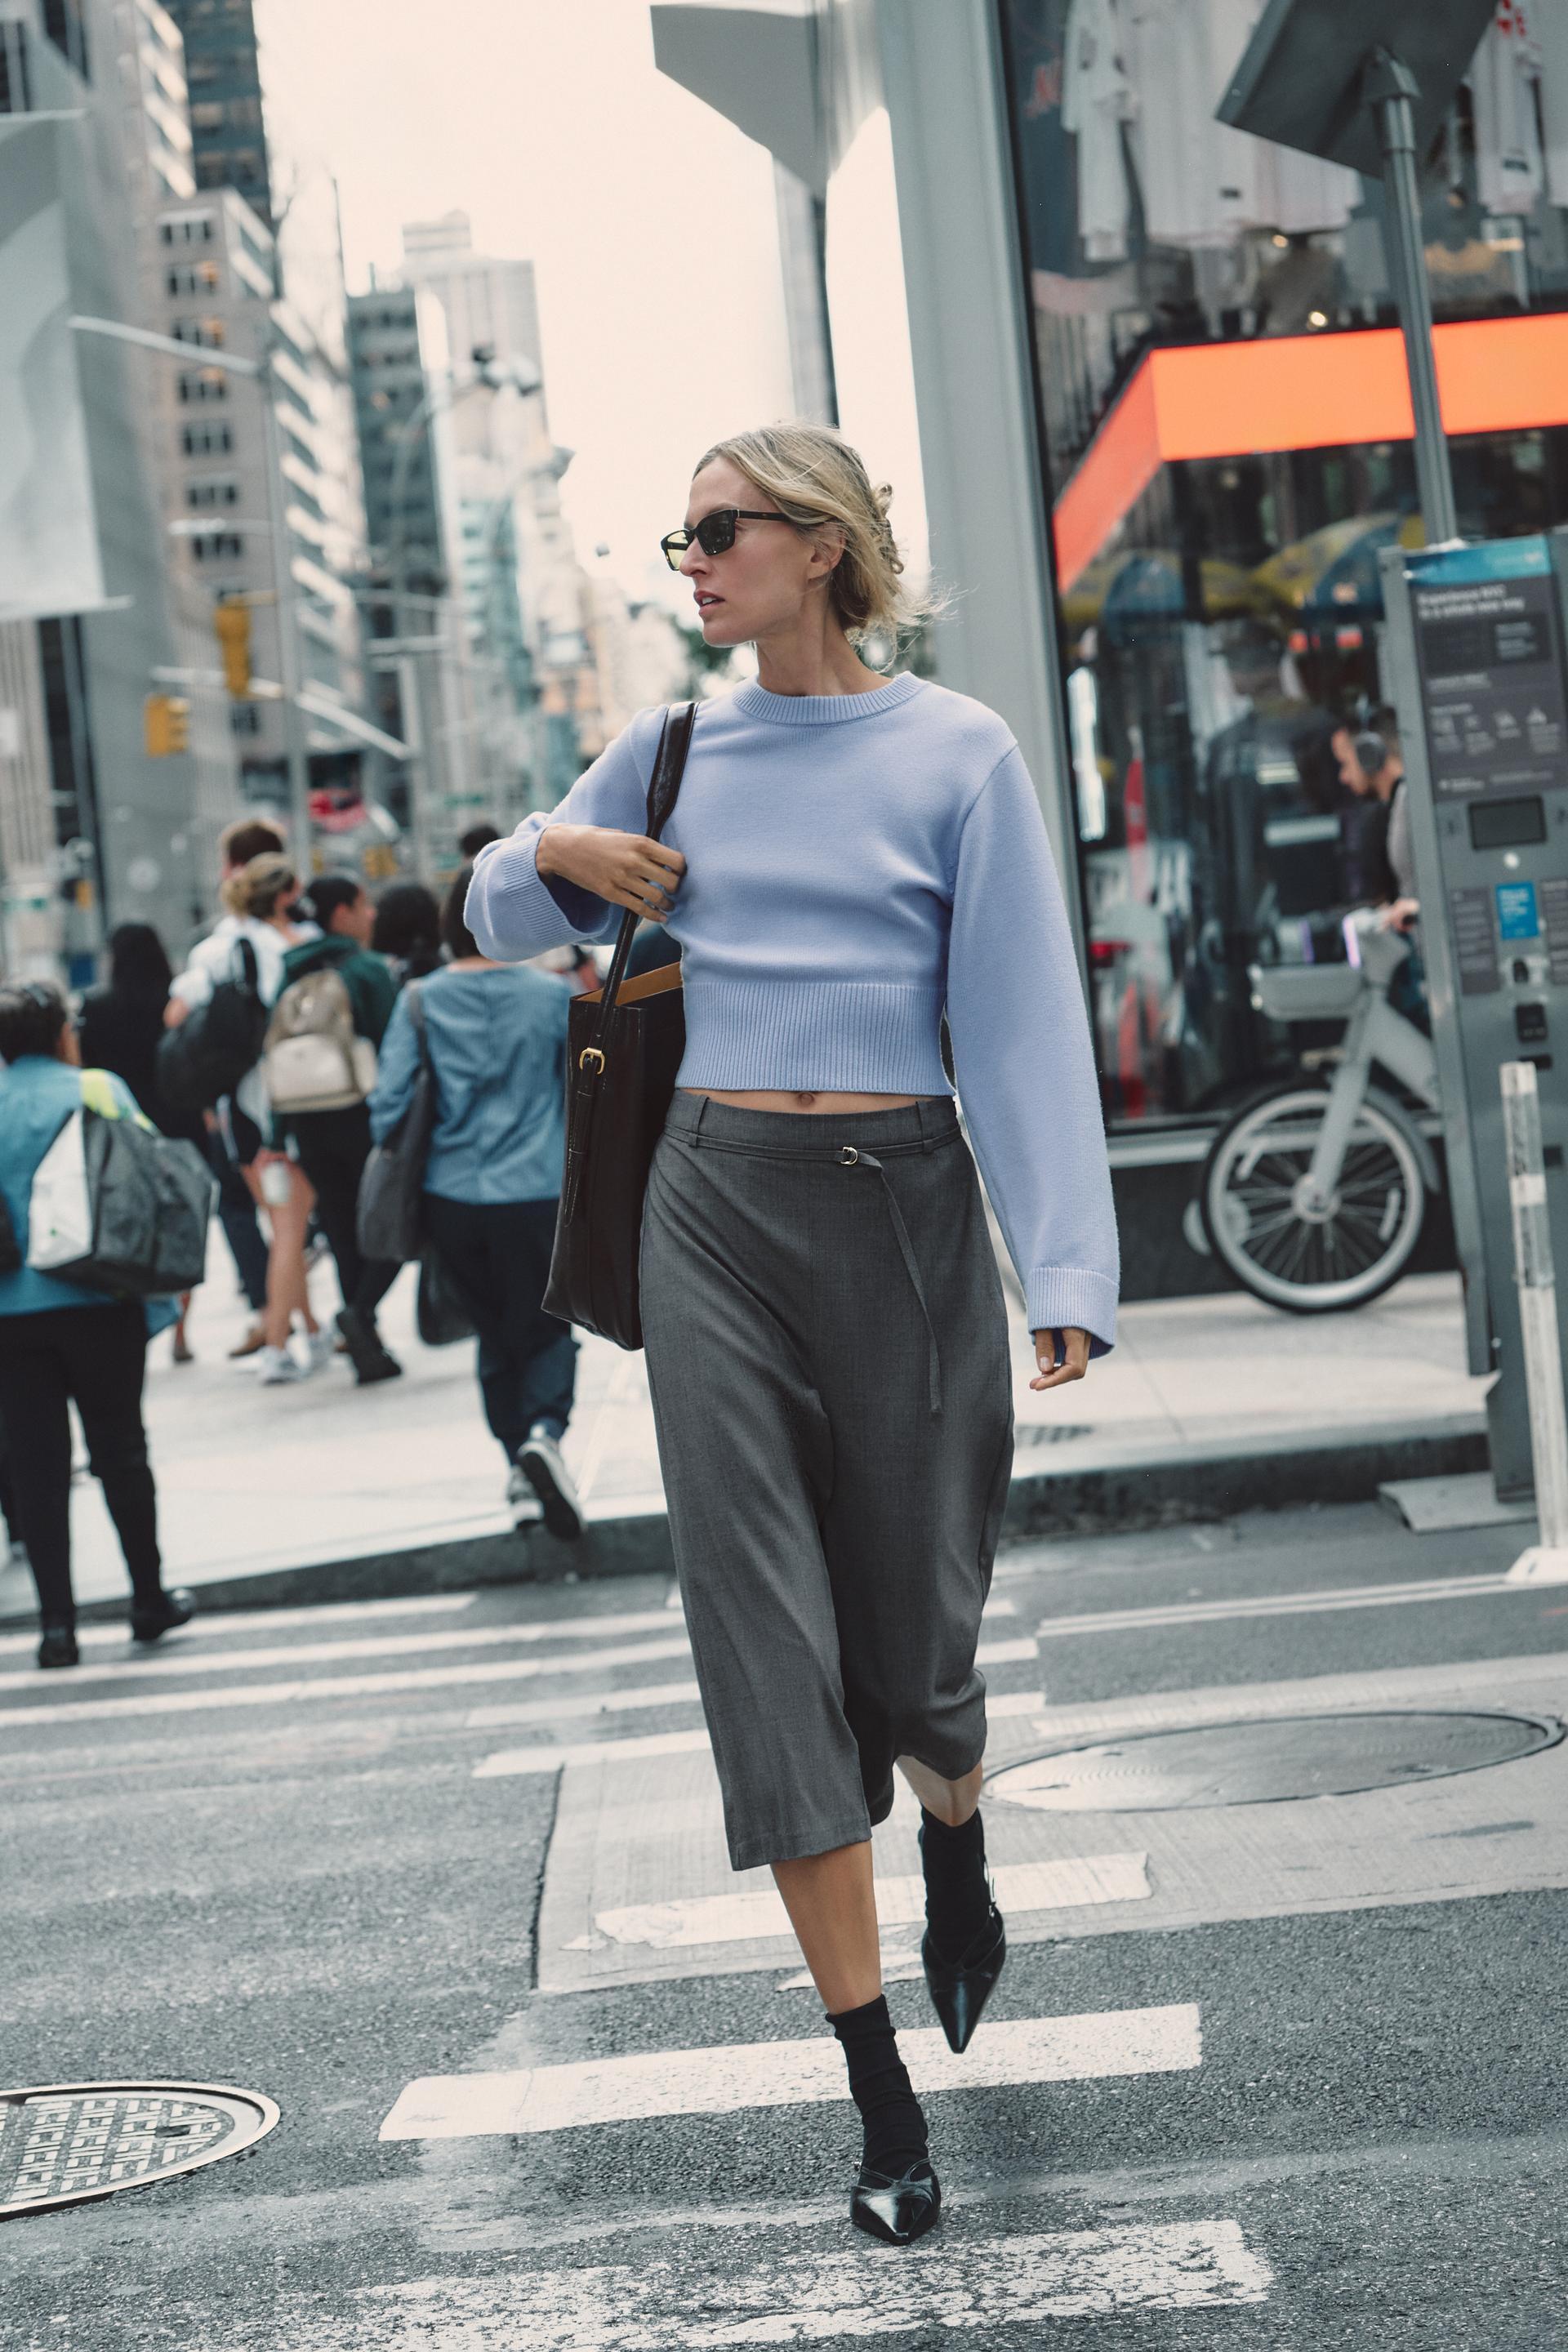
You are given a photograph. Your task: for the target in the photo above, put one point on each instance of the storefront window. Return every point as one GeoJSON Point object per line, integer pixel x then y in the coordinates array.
{"type": "Point", "coordinates": [1225, 425]}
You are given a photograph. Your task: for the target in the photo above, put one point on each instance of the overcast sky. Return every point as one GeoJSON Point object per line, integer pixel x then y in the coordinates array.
{"type": "Point", "coordinates": [650, 219]}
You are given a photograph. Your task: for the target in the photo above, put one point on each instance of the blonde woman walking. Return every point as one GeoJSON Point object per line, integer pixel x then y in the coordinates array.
{"type": "Point", "coordinates": [851, 855]}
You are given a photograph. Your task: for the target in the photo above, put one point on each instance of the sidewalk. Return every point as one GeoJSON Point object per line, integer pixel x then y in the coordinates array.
{"type": "Point", "coordinates": [323, 1491]}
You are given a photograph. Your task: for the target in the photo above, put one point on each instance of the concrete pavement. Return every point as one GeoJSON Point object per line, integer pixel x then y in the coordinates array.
{"type": "Point", "coordinates": [323, 1491]}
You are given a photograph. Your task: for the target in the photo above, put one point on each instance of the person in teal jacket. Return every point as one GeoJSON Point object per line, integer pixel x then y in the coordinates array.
{"type": "Point", "coordinates": [60, 1341]}
{"type": "Point", "coordinates": [334, 1145]}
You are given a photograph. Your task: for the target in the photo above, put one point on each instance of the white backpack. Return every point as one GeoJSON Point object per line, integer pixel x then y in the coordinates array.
{"type": "Point", "coordinates": [312, 1060]}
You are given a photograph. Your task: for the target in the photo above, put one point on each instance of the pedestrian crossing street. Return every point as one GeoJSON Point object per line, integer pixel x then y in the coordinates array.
{"type": "Point", "coordinates": [638, 1890]}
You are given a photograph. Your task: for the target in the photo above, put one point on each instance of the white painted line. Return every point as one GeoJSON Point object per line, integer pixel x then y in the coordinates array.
{"type": "Point", "coordinates": [60, 1710]}
{"type": "Point", "coordinates": [730, 2078]}
{"type": "Point", "coordinates": [1274, 1604]}
{"type": "Point", "coordinates": [509, 1761]}
{"type": "Point", "coordinates": [900, 1902]}
{"type": "Point", "coordinates": [810, 2297]}
{"type": "Point", "coordinates": [1005, 1653]}
{"type": "Point", "coordinates": [996, 1606]}
{"type": "Point", "coordinates": [221, 1622]}
{"type": "Point", "coordinates": [199, 1656]}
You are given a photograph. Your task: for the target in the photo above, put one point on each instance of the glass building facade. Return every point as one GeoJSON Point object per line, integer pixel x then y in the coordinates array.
{"type": "Point", "coordinates": [1225, 437]}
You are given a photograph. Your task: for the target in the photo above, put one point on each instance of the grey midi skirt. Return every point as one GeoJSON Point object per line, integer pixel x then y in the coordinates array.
{"type": "Point", "coordinates": [827, 1357]}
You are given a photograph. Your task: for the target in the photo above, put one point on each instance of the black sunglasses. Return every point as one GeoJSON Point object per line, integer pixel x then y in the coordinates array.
{"type": "Point", "coordinates": [715, 534]}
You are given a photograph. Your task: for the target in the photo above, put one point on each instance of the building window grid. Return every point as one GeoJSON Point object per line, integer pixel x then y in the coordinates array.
{"type": "Point", "coordinates": [15, 97]}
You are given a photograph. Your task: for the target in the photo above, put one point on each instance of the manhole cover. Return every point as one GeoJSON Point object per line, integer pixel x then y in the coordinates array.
{"type": "Point", "coordinates": [1265, 1762]}
{"type": "Point", "coordinates": [68, 2142]}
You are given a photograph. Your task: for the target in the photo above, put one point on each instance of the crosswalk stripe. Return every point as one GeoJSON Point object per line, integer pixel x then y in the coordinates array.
{"type": "Point", "coordinates": [799, 2297]}
{"type": "Point", "coordinates": [198, 1657]}
{"type": "Point", "coordinates": [324, 1686]}
{"type": "Point", "coordinates": [1274, 1604]}
{"type": "Point", "coordinates": [730, 2077]}
{"type": "Point", "coordinates": [1021, 1887]}
{"type": "Point", "coordinates": [545, 1710]}
{"type": "Point", "coordinates": [218, 1622]}
{"type": "Point", "coordinates": [507, 1762]}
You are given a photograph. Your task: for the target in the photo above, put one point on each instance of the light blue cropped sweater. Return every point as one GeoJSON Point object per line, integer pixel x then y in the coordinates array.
{"type": "Point", "coordinates": [856, 862]}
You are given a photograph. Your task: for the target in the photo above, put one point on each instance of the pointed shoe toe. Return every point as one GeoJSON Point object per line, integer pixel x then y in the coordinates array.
{"type": "Point", "coordinates": [896, 2212]}
{"type": "Point", "coordinates": [958, 1994]}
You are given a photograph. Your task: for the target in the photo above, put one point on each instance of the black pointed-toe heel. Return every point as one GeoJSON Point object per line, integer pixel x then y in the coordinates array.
{"type": "Point", "coordinates": [958, 1994]}
{"type": "Point", "coordinates": [897, 2212]}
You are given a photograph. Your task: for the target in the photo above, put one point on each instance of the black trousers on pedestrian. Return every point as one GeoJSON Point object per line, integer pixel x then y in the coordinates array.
{"type": "Point", "coordinates": [333, 1146]}
{"type": "Point", "coordinates": [241, 1230]}
{"type": "Point", "coordinates": [96, 1355]}
{"type": "Point", "coordinates": [498, 1253]}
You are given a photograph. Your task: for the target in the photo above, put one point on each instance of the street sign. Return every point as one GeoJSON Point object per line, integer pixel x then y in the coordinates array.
{"type": "Point", "coordinates": [1299, 81]}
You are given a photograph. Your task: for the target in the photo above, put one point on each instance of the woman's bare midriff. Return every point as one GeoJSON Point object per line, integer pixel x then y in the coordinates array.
{"type": "Point", "coordinates": [770, 1099]}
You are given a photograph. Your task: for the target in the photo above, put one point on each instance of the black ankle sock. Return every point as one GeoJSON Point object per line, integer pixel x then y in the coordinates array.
{"type": "Point", "coordinates": [894, 2126]}
{"type": "Point", "coordinates": [958, 1894]}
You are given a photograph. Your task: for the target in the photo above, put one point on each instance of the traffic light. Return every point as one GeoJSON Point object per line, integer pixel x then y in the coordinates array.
{"type": "Point", "coordinates": [232, 622]}
{"type": "Point", "coordinates": [166, 721]}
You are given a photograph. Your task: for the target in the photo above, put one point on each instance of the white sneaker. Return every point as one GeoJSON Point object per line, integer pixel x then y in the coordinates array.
{"type": "Point", "coordinates": [276, 1365]}
{"type": "Point", "coordinates": [539, 1458]}
{"type": "Point", "coordinates": [318, 1351]}
{"type": "Point", "coordinates": [524, 1505]}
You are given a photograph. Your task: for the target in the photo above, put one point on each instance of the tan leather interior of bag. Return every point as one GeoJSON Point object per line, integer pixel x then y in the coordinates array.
{"type": "Point", "coordinates": [646, 983]}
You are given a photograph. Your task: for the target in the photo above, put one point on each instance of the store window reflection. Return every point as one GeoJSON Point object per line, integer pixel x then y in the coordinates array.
{"type": "Point", "coordinates": [1221, 397]}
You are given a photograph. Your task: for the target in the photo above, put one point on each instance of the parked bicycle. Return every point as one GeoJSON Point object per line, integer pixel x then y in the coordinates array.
{"type": "Point", "coordinates": [1313, 1194]}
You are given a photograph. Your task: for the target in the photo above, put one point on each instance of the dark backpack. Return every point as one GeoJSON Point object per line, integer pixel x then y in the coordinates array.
{"type": "Point", "coordinates": [116, 1206]}
{"type": "Point", "coordinates": [206, 1057]}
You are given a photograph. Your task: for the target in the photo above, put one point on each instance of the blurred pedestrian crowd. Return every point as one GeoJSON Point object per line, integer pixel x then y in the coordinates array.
{"type": "Point", "coordinates": [311, 1028]}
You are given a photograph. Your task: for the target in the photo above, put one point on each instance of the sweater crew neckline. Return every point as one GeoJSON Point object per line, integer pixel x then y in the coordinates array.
{"type": "Point", "coordinates": [824, 710]}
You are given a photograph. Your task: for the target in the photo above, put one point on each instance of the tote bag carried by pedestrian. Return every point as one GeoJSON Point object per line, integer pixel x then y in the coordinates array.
{"type": "Point", "coordinates": [393, 1181]}
{"type": "Point", "coordinates": [116, 1206]}
{"type": "Point", "coordinates": [624, 1048]}
{"type": "Point", "coordinates": [206, 1057]}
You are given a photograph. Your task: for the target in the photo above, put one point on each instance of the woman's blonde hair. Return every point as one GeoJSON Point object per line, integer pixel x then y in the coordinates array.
{"type": "Point", "coordinates": [814, 476]}
{"type": "Point", "coordinates": [258, 888]}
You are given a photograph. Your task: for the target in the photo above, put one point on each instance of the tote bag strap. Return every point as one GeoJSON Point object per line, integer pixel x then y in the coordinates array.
{"type": "Point", "coordinates": [664, 784]}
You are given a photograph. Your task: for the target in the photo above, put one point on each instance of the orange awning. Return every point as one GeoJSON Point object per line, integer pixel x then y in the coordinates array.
{"type": "Point", "coordinates": [1302, 392]}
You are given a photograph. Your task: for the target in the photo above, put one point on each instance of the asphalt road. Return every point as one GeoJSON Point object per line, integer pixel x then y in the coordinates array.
{"type": "Point", "coordinates": [263, 1858]}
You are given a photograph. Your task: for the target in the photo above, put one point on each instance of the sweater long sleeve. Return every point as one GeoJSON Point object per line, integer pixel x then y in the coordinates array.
{"type": "Point", "coordinates": [854, 863]}
{"type": "Point", "coordinates": [1024, 1062]}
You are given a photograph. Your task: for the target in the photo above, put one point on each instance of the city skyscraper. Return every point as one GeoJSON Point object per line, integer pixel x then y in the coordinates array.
{"type": "Point", "coordinates": [224, 78]}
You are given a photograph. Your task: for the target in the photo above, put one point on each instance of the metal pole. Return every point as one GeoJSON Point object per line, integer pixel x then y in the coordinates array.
{"type": "Point", "coordinates": [1547, 1561]}
{"type": "Point", "coordinates": [294, 743]}
{"type": "Point", "coordinates": [1389, 88]}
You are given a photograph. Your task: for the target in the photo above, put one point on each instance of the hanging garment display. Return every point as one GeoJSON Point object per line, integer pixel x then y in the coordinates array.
{"type": "Point", "coordinates": [1510, 170]}
{"type": "Point", "coordinates": [1201, 183]}
{"type": "Point", "coordinates": [1096, 102]}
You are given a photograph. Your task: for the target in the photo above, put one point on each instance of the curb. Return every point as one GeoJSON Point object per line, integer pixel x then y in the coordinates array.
{"type": "Point", "coordinates": [1121, 1491]}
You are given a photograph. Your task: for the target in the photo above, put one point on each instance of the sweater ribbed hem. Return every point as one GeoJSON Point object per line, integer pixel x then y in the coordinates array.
{"type": "Point", "coordinates": [824, 710]}
{"type": "Point", "coordinates": [1062, 1294]}
{"type": "Point", "coordinates": [843, 1036]}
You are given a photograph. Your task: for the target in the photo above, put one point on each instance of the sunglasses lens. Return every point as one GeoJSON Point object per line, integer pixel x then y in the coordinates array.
{"type": "Point", "coordinates": [675, 546]}
{"type": "Point", "coordinates": [716, 532]}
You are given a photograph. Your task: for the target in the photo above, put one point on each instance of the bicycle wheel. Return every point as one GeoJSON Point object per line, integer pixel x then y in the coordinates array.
{"type": "Point", "coordinates": [1312, 1260]}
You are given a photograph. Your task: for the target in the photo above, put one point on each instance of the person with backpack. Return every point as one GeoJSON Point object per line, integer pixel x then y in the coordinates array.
{"type": "Point", "coordinates": [245, 960]}
{"type": "Point", "coordinates": [64, 1342]}
{"type": "Point", "coordinates": [496, 1038]}
{"type": "Point", "coordinates": [320, 1066]}
{"type": "Point", "coordinates": [247, 837]}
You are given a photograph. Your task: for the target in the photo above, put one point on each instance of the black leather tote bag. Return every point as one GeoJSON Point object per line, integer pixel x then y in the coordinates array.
{"type": "Point", "coordinates": [623, 1047]}
{"type": "Point", "coordinates": [391, 1183]}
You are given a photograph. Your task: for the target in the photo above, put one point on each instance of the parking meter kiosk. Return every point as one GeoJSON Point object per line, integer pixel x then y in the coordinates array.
{"type": "Point", "coordinates": [1476, 643]}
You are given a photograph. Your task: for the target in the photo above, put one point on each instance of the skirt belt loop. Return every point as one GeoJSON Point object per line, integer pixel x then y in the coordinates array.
{"type": "Point", "coordinates": [849, 1156]}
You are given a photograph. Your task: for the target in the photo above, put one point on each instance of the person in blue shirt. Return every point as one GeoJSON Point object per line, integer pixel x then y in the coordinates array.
{"type": "Point", "coordinates": [497, 1039]}
{"type": "Point", "coordinates": [60, 1342]}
